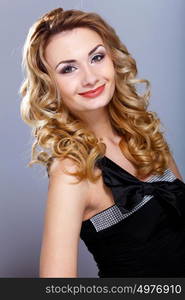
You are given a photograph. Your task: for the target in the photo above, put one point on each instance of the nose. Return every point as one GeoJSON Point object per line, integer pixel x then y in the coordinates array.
{"type": "Point", "coordinates": [89, 78]}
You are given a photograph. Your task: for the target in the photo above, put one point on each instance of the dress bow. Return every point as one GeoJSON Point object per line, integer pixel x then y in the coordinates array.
{"type": "Point", "coordinates": [128, 191]}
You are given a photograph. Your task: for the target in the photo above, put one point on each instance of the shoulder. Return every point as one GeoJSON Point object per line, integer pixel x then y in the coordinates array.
{"type": "Point", "coordinates": [60, 166]}
{"type": "Point", "coordinates": [60, 169]}
{"type": "Point", "coordinates": [66, 186]}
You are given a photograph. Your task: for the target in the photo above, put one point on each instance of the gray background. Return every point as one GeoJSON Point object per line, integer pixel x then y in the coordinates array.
{"type": "Point", "coordinates": [153, 33]}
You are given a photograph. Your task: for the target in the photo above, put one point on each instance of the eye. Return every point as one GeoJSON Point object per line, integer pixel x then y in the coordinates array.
{"type": "Point", "coordinates": [67, 69]}
{"type": "Point", "coordinates": [98, 57]}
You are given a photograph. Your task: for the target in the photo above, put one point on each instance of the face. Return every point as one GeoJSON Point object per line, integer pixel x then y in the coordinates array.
{"type": "Point", "coordinates": [83, 69]}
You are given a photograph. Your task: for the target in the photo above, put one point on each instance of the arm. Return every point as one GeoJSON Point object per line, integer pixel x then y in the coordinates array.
{"type": "Point", "coordinates": [63, 217]}
{"type": "Point", "coordinates": [174, 168]}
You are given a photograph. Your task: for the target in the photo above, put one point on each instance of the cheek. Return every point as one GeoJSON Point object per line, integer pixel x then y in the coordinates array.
{"type": "Point", "coordinates": [66, 87]}
{"type": "Point", "coordinates": [112, 77]}
{"type": "Point", "coordinates": [110, 70]}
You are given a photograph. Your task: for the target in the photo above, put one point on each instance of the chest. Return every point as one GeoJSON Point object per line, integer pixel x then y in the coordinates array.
{"type": "Point", "coordinates": [101, 196]}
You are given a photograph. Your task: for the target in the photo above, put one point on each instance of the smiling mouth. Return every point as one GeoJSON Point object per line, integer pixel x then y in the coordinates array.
{"type": "Point", "coordinates": [92, 91]}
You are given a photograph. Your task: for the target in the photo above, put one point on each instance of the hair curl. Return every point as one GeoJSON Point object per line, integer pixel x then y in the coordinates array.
{"type": "Point", "coordinates": [59, 133]}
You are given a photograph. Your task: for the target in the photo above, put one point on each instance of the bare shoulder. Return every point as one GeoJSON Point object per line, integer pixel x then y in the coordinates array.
{"type": "Point", "coordinates": [60, 166]}
{"type": "Point", "coordinates": [66, 183]}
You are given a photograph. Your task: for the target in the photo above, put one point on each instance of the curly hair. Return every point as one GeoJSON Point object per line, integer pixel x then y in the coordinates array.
{"type": "Point", "coordinates": [59, 133]}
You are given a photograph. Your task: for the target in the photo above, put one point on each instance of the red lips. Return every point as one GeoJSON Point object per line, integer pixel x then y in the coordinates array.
{"type": "Point", "coordinates": [93, 93]}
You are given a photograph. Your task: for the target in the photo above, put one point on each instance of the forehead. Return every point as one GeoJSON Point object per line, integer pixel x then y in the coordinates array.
{"type": "Point", "coordinates": [71, 44]}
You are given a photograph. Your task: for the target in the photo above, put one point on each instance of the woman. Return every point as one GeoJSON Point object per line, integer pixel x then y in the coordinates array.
{"type": "Point", "coordinates": [112, 179]}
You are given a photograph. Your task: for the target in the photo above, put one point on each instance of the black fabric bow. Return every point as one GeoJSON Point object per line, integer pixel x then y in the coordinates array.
{"type": "Point", "coordinates": [128, 191]}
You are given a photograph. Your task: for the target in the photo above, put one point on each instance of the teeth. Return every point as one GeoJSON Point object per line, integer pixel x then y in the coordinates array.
{"type": "Point", "coordinates": [94, 91]}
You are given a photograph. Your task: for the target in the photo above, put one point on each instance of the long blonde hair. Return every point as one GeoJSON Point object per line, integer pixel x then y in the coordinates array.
{"type": "Point", "coordinates": [59, 133]}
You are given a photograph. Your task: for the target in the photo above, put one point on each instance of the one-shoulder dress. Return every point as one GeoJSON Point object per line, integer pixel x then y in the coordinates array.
{"type": "Point", "coordinates": [143, 233]}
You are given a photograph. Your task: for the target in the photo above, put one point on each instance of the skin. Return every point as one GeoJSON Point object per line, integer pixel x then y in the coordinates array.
{"type": "Point", "coordinates": [63, 218]}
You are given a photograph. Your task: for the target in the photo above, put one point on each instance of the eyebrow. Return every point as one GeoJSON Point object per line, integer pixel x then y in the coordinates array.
{"type": "Point", "coordinates": [73, 60]}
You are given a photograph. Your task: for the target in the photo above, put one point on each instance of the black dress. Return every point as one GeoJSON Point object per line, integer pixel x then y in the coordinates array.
{"type": "Point", "coordinates": [143, 233]}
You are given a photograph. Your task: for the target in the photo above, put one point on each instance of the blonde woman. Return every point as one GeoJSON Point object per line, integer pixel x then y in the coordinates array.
{"type": "Point", "coordinates": [112, 179]}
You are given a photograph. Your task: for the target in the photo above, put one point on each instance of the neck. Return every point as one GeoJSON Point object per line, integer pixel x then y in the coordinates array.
{"type": "Point", "coordinates": [99, 123]}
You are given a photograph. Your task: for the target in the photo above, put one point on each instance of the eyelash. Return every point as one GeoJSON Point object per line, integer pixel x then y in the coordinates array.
{"type": "Point", "coordinates": [63, 70]}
